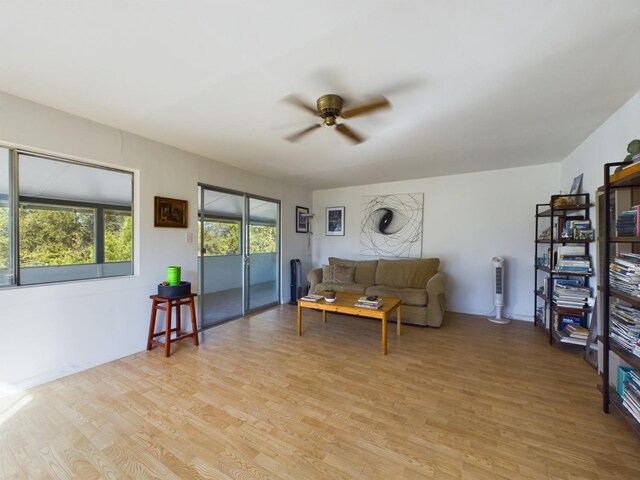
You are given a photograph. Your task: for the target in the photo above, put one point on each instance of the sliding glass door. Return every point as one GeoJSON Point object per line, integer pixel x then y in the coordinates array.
{"type": "Point", "coordinates": [263, 253]}
{"type": "Point", "coordinates": [239, 254]}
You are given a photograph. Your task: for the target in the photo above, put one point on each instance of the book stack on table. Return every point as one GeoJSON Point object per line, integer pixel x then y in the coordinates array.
{"type": "Point", "coordinates": [369, 302]}
{"type": "Point", "coordinates": [312, 298]}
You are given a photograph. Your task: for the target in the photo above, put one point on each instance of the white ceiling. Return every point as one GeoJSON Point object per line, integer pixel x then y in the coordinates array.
{"type": "Point", "coordinates": [475, 84]}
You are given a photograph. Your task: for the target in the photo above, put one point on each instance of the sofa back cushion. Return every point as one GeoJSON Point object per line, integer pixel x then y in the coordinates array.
{"type": "Point", "coordinates": [365, 269]}
{"type": "Point", "coordinates": [337, 274]}
{"type": "Point", "coordinates": [413, 273]}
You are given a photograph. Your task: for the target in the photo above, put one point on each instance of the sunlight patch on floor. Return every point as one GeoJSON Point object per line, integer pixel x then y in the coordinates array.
{"type": "Point", "coordinates": [12, 400]}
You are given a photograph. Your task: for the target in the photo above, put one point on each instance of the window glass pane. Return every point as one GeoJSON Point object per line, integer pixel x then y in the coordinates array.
{"type": "Point", "coordinates": [262, 239]}
{"type": "Point", "coordinates": [221, 238]}
{"type": "Point", "coordinates": [117, 236]}
{"type": "Point", "coordinates": [74, 220]}
{"type": "Point", "coordinates": [55, 235]}
{"type": "Point", "coordinates": [6, 267]}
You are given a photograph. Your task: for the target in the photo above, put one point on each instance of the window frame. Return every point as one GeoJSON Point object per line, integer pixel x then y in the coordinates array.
{"type": "Point", "coordinates": [15, 200]}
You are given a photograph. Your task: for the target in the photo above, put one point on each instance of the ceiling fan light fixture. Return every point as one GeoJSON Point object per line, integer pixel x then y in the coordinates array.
{"type": "Point", "coordinates": [329, 108]}
{"type": "Point", "coordinates": [330, 104]}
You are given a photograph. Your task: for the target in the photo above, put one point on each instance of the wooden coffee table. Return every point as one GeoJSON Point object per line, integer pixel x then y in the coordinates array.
{"type": "Point", "coordinates": [345, 303]}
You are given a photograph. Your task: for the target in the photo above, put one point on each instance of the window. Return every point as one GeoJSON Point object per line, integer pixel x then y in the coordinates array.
{"type": "Point", "coordinates": [53, 236]}
{"type": "Point", "coordinates": [262, 239]}
{"type": "Point", "coordinates": [117, 236]}
{"type": "Point", "coordinates": [221, 237]}
{"type": "Point", "coordinates": [6, 264]}
{"type": "Point", "coordinates": [74, 220]}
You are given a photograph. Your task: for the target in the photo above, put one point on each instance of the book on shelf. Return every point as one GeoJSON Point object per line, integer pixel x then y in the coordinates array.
{"type": "Point", "coordinates": [572, 250]}
{"type": "Point", "coordinates": [625, 327]}
{"type": "Point", "coordinates": [573, 296]}
{"type": "Point", "coordinates": [566, 320]}
{"type": "Point", "coordinates": [627, 224]}
{"type": "Point", "coordinates": [631, 394]}
{"type": "Point", "coordinates": [578, 263]}
{"type": "Point", "coordinates": [624, 274]}
{"type": "Point", "coordinates": [576, 331]}
{"type": "Point", "coordinates": [565, 338]}
{"type": "Point", "coordinates": [312, 298]}
{"type": "Point", "coordinates": [578, 282]}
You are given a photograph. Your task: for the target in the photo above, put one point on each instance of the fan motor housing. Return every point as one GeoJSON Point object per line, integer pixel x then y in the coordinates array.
{"type": "Point", "coordinates": [330, 107]}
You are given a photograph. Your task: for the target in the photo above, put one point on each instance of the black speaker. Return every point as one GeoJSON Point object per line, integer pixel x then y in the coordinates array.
{"type": "Point", "coordinates": [296, 281]}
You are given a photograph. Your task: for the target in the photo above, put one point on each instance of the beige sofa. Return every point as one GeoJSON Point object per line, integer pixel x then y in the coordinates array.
{"type": "Point", "coordinates": [417, 282]}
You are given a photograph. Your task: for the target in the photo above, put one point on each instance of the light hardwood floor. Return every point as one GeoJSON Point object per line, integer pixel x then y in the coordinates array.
{"type": "Point", "coordinates": [472, 400]}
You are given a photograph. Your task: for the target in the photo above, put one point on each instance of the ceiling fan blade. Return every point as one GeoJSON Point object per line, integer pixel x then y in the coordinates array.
{"type": "Point", "coordinates": [298, 102]}
{"type": "Point", "coordinates": [297, 136]}
{"type": "Point", "coordinates": [381, 102]}
{"type": "Point", "coordinates": [349, 133]}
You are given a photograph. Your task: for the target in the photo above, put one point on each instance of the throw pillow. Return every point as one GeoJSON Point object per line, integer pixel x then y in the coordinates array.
{"type": "Point", "coordinates": [337, 274]}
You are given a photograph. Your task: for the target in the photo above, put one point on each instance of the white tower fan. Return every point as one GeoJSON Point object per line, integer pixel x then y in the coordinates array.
{"type": "Point", "coordinates": [498, 290]}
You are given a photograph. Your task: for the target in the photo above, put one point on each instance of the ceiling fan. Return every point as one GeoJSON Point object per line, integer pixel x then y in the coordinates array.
{"type": "Point", "coordinates": [329, 108]}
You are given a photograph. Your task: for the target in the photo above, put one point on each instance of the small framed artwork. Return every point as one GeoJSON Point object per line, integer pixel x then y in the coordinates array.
{"type": "Point", "coordinates": [575, 186]}
{"type": "Point", "coordinates": [335, 221]}
{"type": "Point", "coordinates": [169, 212]}
{"type": "Point", "coordinates": [302, 223]}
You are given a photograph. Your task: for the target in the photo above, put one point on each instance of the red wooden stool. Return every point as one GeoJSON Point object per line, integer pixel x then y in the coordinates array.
{"type": "Point", "coordinates": [166, 305]}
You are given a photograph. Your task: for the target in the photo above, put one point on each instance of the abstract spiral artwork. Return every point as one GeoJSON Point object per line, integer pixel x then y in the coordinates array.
{"type": "Point", "coordinates": [392, 225]}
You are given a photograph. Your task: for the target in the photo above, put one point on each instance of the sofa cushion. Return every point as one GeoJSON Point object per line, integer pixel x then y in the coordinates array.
{"type": "Point", "coordinates": [409, 296]}
{"type": "Point", "coordinates": [413, 273]}
{"type": "Point", "coordinates": [358, 288]}
{"type": "Point", "coordinates": [365, 269]}
{"type": "Point", "coordinates": [337, 274]}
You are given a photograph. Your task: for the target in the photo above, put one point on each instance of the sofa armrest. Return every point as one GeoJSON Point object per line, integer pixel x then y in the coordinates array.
{"type": "Point", "coordinates": [436, 301]}
{"type": "Point", "coordinates": [314, 277]}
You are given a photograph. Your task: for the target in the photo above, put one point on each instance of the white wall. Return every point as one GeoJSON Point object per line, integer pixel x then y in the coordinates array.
{"type": "Point", "coordinates": [605, 145]}
{"type": "Point", "coordinates": [468, 219]}
{"type": "Point", "coordinates": [50, 331]}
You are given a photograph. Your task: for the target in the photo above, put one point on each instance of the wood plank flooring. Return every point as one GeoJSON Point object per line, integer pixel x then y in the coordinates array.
{"type": "Point", "coordinates": [472, 400]}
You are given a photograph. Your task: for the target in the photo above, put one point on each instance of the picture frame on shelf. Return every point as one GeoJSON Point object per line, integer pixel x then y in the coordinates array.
{"type": "Point", "coordinates": [335, 221]}
{"type": "Point", "coordinates": [587, 234]}
{"type": "Point", "coordinates": [302, 223]}
{"type": "Point", "coordinates": [169, 212]}
{"type": "Point", "coordinates": [575, 186]}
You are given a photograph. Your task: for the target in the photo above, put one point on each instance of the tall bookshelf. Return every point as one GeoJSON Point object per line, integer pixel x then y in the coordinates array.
{"type": "Point", "coordinates": [621, 191]}
{"type": "Point", "coordinates": [551, 232]}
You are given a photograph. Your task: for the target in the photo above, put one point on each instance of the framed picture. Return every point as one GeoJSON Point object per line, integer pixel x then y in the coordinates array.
{"type": "Point", "coordinates": [575, 186]}
{"type": "Point", "coordinates": [335, 221]}
{"type": "Point", "coordinates": [302, 223]}
{"type": "Point", "coordinates": [585, 235]}
{"type": "Point", "coordinates": [169, 212]}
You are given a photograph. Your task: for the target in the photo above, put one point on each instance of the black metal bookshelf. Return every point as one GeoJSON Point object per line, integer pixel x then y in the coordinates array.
{"type": "Point", "coordinates": [624, 179]}
{"type": "Point", "coordinates": [576, 206]}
